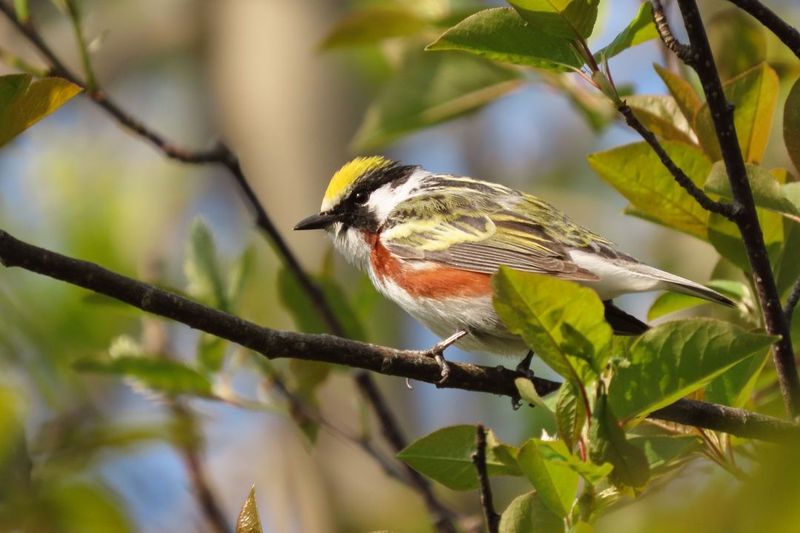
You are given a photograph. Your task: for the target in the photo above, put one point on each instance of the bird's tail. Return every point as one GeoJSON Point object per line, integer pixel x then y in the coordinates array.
{"type": "Point", "coordinates": [671, 282]}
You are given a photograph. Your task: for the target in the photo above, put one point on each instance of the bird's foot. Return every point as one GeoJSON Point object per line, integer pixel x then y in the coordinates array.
{"type": "Point", "coordinates": [437, 353]}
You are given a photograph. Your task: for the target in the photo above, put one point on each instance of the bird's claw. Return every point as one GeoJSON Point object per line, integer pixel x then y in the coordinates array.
{"type": "Point", "coordinates": [437, 352]}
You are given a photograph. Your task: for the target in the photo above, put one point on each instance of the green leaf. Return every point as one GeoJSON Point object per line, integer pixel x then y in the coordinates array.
{"type": "Point", "coordinates": [80, 507]}
{"type": "Point", "coordinates": [372, 25]}
{"type": "Point", "coordinates": [202, 269]}
{"type": "Point", "coordinates": [239, 274]}
{"type": "Point", "coordinates": [429, 89]}
{"type": "Point", "coordinates": [726, 238]}
{"type": "Point", "coordinates": [248, 520]}
{"type": "Point", "coordinates": [767, 191]}
{"type": "Point", "coordinates": [551, 315]}
{"type": "Point", "coordinates": [158, 374]}
{"type": "Point", "coordinates": [556, 483]}
{"type": "Point", "coordinates": [446, 456]}
{"type": "Point", "coordinates": [570, 414]}
{"type": "Point", "coordinates": [661, 115]}
{"type": "Point", "coordinates": [787, 267]}
{"type": "Point", "coordinates": [637, 173]}
{"type": "Point", "coordinates": [527, 392]}
{"type": "Point", "coordinates": [738, 42]}
{"type": "Point", "coordinates": [661, 450]}
{"type": "Point", "coordinates": [565, 19]}
{"type": "Point", "coordinates": [639, 30]}
{"type": "Point", "coordinates": [12, 431]}
{"type": "Point", "coordinates": [671, 302]}
{"type": "Point", "coordinates": [685, 96]}
{"type": "Point", "coordinates": [754, 94]}
{"type": "Point", "coordinates": [735, 386]}
{"type": "Point", "coordinates": [791, 124]}
{"type": "Point", "coordinates": [305, 314]}
{"type": "Point", "coordinates": [211, 352]}
{"type": "Point", "coordinates": [673, 359]}
{"type": "Point", "coordinates": [529, 514]}
{"type": "Point", "coordinates": [500, 34]}
{"type": "Point", "coordinates": [553, 452]}
{"type": "Point", "coordinates": [608, 444]}
{"type": "Point", "coordinates": [23, 104]}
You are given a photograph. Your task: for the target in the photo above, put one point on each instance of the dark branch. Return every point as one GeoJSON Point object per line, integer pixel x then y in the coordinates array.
{"type": "Point", "coordinates": [791, 302]}
{"type": "Point", "coordinates": [410, 364]}
{"type": "Point", "coordinates": [479, 460]}
{"type": "Point", "coordinates": [222, 155]}
{"type": "Point", "coordinates": [680, 176]}
{"type": "Point", "coordinates": [684, 52]}
{"type": "Point", "coordinates": [786, 33]}
{"type": "Point", "coordinates": [745, 215]}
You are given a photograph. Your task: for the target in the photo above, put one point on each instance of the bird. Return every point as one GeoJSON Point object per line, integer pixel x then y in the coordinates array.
{"type": "Point", "coordinates": [430, 242]}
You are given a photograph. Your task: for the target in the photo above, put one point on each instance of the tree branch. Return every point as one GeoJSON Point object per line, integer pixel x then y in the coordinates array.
{"type": "Point", "coordinates": [744, 207]}
{"type": "Point", "coordinates": [412, 364]}
{"type": "Point", "coordinates": [683, 51]}
{"type": "Point", "coordinates": [479, 460]}
{"type": "Point", "coordinates": [223, 156]}
{"type": "Point", "coordinates": [722, 208]}
{"type": "Point", "coordinates": [786, 33]}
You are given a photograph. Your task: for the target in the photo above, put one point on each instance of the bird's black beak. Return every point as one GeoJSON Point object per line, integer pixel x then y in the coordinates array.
{"type": "Point", "coordinates": [319, 221]}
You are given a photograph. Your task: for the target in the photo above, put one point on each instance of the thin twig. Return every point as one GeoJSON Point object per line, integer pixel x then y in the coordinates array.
{"type": "Point", "coordinates": [222, 155]}
{"type": "Point", "coordinates": [479, 460]}
{"type": "Point", "coordinates": [83, 48]}
{"type": "Point", "coordinates": [683, 51]}
{"type": "Point", "coordinates": [791, 302]}
{"type": "Point", "coordinates": [412, 364]}
{"type": "Point", "coordinates": [722, 208]}
{"type": "Point", "coordinates": [745, 215]}
{"type": "Point", "coordinates": [783, 31]}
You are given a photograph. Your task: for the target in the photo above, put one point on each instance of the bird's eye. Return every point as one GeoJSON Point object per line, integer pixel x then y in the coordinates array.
{"type": "Point", "coordinates": [361, 197]}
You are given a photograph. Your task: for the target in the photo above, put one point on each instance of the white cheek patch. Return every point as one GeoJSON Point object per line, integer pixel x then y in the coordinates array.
{"type": "Point", "coordinates": [385, 198]}
{"type": "Point", "coordinates": [351, 244]}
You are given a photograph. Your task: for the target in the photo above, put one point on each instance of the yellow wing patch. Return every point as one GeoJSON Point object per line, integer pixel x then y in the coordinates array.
{"type": "Point", "coordinates": [348, 174]}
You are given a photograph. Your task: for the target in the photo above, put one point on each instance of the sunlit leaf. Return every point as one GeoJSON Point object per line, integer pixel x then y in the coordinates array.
{"type": "Point", "coordinates": [637, 173]}
{"type": "Point", "coordinates": [11, 420]}
{"type": "Point", "coordinates": [754, 94]}
{"type": "Point", "coordinates": [23, 103]}
{"type": "Point", "coordinates": [738, 42]}
{"type": "Point", "coordinates": [81, 507]}
{"type": "Point", "coordinates": [429, 89]}
{"type": "Point", "coordinates": [211, 352]}
{"type": "Point", "coordinates": [528, 513]}
{"type": "Point", "coordinates": [158, 374]}
{"type": "Point", "coordinates": [786, 265]}
{"type": "Point", "coordinates": [609, 445]}
{"type": "Point", "coordinates": [565, 19]}
{"type": "Point", "coordinates": [371, 25]}
{"type": "Point", "coordinates": [556, 483]}
{"type": "Point", "coordinates": [551, 315]}
{"type": "Point", "coordinates": [726, 238]}
{"type": "Point", "coordinates": [661, 115]}
{"type": "Point", "coordinates": [248, 520]}
{"type": "Point", "coordinates": [446, 456]}
{"type": "Point", "coordinates": [685, 96]}
{"type": "Point", "coordinates": [502, 35]}
{"type": "Point", "coordinates": [791, 124]}
{"type": "Point", "coordinates": [639, 30]}
{"type": "Point", "coordinates": [767, 191]}
{"type": "Point", "coordinates": [527, 392]}
{"type": "Point", "coordinates": [671, 360]}
{"type": "Point", "coordinates": [554, 452]}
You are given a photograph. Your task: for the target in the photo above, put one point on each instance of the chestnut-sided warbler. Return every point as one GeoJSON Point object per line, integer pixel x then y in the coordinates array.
{"type": "Point", "coordinates": [430, 242]}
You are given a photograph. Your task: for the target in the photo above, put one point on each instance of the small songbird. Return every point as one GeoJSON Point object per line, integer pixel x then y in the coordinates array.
{"type": "Point", "coordinates": [431, 242]}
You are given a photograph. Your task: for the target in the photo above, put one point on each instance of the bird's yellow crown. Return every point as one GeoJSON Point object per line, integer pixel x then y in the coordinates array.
{"type": "Point", "coordinates": [349, 174]}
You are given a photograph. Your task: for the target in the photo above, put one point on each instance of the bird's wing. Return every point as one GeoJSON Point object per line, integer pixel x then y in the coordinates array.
{"type": "Point", "coordinates": [481, 232]}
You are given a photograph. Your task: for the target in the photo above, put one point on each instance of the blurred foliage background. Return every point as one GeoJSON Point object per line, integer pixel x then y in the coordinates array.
{"type": "Point", "coordinates": [87, 452]}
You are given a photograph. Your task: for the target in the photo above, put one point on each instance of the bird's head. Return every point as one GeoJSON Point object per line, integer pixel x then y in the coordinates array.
{"type": "Point", "coordinates": [358, 200]}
